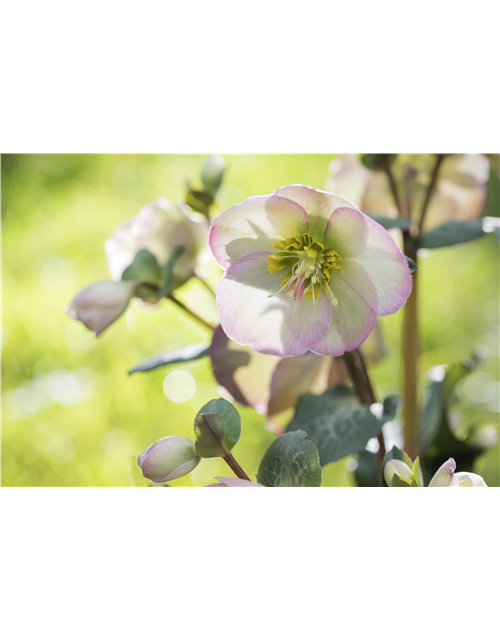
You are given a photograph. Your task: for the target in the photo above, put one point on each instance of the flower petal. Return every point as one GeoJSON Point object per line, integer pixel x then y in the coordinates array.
{"type": "Point", "coordinates": [276, 325]}
{"type": "Point", "coordinates": [348, 176]}
{"type": "Point", "coordinates": [237, 482]}
{"type": "Point", "coordinates": [318, 205]}
{"type": "Point", "coordinates": [372, 263]}
{"type": "Point", "coordinates": [245, 373]}
{"type": "Point", "coordinates": [254, 225]}
{"type": "Point", "coordinates": [444, 476]}
{"type": "Point", "coordinates": [352, 321]}
{"type": "Point", "coordinates": [291, 378]}
{"type": "Point", "coordinates": [468, 479]}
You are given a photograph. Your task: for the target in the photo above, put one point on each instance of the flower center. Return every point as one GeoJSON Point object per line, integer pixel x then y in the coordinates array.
{"type": "Point", "coordinates": [308, 268]}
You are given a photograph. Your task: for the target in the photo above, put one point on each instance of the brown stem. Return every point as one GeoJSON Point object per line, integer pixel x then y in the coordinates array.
{"type": "Point", "coordinates": [411, 355]}
{"type": "Point", "coordinates": [392, 183]}
{"type": "Point", "coordinates": [235, 467]}
{"type": "Point", "coordinates": [190, 311]}
{"type": "Point", "coordinates": [359, 375]}
{"type": "Point", "coordinates": [439, 159]}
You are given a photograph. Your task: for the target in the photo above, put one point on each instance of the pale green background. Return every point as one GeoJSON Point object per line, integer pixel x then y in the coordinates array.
{"type": "Point", "coordinates": [71, 414]}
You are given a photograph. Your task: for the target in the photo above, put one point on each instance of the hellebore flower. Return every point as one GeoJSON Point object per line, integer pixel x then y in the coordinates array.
{"type": "Point", "coordinates": [460, 192]}
{"type": "Point", "coordinates": [445, 476]}
{"type": "Point", "coordinates": [168, 459]}
{"type": "Point", "coordinates": [159, 227]}
{"type": "Point", "coordinates": [100, 304]}
{"type": "Point", "coordinates": [305, 271]}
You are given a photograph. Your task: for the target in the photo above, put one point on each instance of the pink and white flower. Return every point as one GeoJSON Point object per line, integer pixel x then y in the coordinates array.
{"type": "Point", "coordinates": [159, 227]}
{"type": "Point", "coordinates": [305, 270]}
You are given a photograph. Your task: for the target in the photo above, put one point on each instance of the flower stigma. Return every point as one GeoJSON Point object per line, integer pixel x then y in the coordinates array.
{"type": "Point", "coordinates": [308, 268]}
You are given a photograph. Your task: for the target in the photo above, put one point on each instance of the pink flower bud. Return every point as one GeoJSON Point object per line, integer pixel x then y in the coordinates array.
{"type": "Point", "coordinates": [234, 482]}
{"type": "Point", "coordinates": [100, 304]}
{"type": "Point", "coordinates": [168, 459]}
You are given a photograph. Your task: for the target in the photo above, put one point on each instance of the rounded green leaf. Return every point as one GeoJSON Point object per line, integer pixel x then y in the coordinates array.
{"type": "Point", "coordinates": [217, 427]}
{"type": "Point", "coordinates": [291, 461]}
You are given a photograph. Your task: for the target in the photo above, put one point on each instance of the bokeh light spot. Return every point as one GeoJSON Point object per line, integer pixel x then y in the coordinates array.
{"type": "Point", "coordinates": [179, 386]}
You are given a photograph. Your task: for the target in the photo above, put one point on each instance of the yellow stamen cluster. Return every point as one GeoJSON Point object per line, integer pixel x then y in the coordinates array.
{"type": "Point", "coordinates": [306, 261]}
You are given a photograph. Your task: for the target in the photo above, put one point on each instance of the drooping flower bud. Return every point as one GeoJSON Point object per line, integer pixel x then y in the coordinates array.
{"type": "Point", "coordinates": [168, 459]}
{"type": "Point", "coordinates": [100, 304]}
{"type": "Point", "coordinates": [396, 467]}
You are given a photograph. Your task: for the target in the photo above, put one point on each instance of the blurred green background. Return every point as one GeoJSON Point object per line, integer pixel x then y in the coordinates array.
{"type": "Point", "coordinates": [71, 416]}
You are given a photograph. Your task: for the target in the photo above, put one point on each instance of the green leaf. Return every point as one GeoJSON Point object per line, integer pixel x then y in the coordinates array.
{"type": "Point", "coordinates": [391, 406]}
{"type": "Point", "coordinates": [199, 200]}
{"type": "Point", "coordinates": [168, 272]}
{"type": "Point", "coordinates": [210, 436]}
{"type": "Point", "coordinates": [144, 267]}
{"type": "Point", "coordinates": [411, 265]}
{"type": "Point", "coordinates": [217, 427]}
{"type": "Point", "coordinates": [400, 481]}
{"type": "Point", "coordinates": [377, 161]}
{"type": "Point", "coordinates": [166, 358]}
{"type": "Point", "coordinates": [432, 414]}
{"type": "Point", "coordinates": [291, 461]}
{"type": "Point", "coordinates": [391, 223]}
{"type": "Point", "coordinates": [336, 422]}
{"type": "Point", "coordinates": [417, 473]}
{"type": "Point", "coordinates": [367, 472]}
{"type": "Point", "coordinates": [394, 454]}
{"type": "Point", "coordinates": [449, 234]}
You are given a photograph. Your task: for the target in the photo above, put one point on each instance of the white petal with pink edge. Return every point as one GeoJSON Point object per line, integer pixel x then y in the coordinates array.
{"type": "Point", "coordinates": [372, 263]}
{"type": "Point", "coordinates": [254, 225]}
{"type": "Point", "coordinates": [273, 325]}
{"type": "Point", "coordinates": [352, 321]}
{"type": "Point", "coordinates": [318, 205]}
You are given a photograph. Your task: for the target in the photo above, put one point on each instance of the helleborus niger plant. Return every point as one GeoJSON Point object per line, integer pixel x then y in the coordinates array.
{"type": "Point", "coordinates": [305, 270]}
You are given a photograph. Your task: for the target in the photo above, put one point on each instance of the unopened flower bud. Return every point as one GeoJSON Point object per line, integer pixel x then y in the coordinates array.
{"type": "Point", "coordinates": [168, 459]}
{"type": "Point", "coordinates": [445, 475]}
{"type": "Point", "coordinates": [468, 479]}
{"type": "Point", "coordinates": [397, 467]}
{"type": "Point", "coordinates": [159, 227]}
{"type": "Point", "coordinates": [100, 304]}
{"type": "Point", "coordinates": [212, 172]}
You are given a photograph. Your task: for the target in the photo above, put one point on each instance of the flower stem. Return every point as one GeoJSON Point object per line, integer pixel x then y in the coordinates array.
{"type": "Point", "coordinates": [359, 375]}
{"type": "Point", "coordinates": [439, 159]}
{"type": "Point", "coordinates": [235, 467]}
{"type": "Point", "coordinates": [205, 284]}
{"type": "Point", "coordinates": [394, 190]}
{"type": "Point", "coordinates": [190, 312]}
{"type": "Point", "coordinates": [411, 356]}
